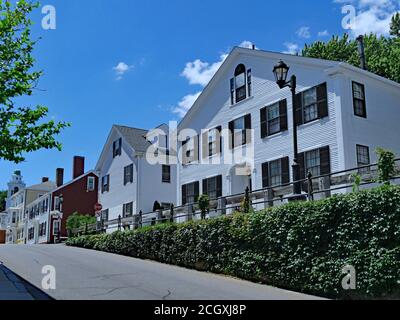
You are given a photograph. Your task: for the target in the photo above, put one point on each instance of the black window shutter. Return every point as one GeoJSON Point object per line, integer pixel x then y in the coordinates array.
{"type": "Point", "coordinates": [219, 186]}
{"type": "Point", "coordinates": [114, 147]}
{"type": "Point", "coordinates": [249, 84]}
{"type": "Point", "coordinates": [125, 171]}
{"type": "Point", "coordinates": [232, 91]}
{"type": "Point", "coordinates": [196, 191]}
{"type": "Point", "coordinates": [302, 165]}
{"type": "Point", "coordinates": [205, 186]}
{"type": "Point", "coordinates": [285, 170]}
{"type": "Point", "coordinates": [183, 195]}
{"type": "Point", "coordinates": [265, 175]}
{"type": "Point", "coordinates": [283, 115]}
{"type": "Point", "coordinates": [219, 139]}
{"type": "Point", "coordinates": [322, 98]}
{"type": "Point", "coordinates": [231, 135]}
{"type": "Point", "coordinates": [205, 144]}
{"type": "Point", "coordinates": [264, 124]}
{"type": "Point", "coordinates": [247, 125]}
{"type": "Point", "coordinates": [325, 160]}
{"type": "Point", "coordinates": [197, 157]}
{"type": "Point", "coordinates": [299, 109]}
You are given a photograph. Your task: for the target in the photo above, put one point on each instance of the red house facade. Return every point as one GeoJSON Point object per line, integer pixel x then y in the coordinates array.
{"type": "Point", "coordinates": [79, 195]}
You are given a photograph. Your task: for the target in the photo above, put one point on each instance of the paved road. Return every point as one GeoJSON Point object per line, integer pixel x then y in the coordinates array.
{"type": "Point", "coordinates": [89, 275]}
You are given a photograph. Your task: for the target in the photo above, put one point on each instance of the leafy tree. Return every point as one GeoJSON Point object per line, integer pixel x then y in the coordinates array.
{"type": "Point", "coordinates": [77, 221]}
{"type": "Point", "coordinates": [382, 54]}
{"type": "Point", "coordinates": [395, 25]}
{"type": "Point", "coordinates": [22, 129]}
{"type": "Point", "coordinates": [3, 196]}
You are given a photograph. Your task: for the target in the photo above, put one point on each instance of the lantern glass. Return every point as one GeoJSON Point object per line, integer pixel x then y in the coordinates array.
{"type": "Point", "coordinates": [281, 71]}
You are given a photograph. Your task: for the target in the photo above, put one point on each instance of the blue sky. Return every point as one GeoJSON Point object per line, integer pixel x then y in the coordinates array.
{"type": "Point", "coordinates": [142, 63]}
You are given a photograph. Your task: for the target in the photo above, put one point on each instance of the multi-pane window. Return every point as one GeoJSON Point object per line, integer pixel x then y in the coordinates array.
{"type": "Point", "coordinates": [213, 187]}
{"type": "Point", "coordinates": [190, 193]}
{"type": "Point", "coordinates": [128, 210]}
{"type": "Point", "coordinates": [190, 150]}
{"type": "Point", "coordinates": [128, 174]}
{"type": "Point", "coordinates": [104, 215]}
{"type": "Point", "coordinates": [57, 205]}
{"type": "Point", "coordinates": [239, 132]}
{"type": "Point", "coordinates": [56, 227]}
{"type": "Point", "coordinates": [274, 121]}
{"type": "Point", "coordinates": [313, 162]}
{"type": "Point", "coordinates": [359, 100]}
{"type": "Point", "coordinates": [117, 148]}
{"type": "Point", "coordinates": [105, 184]}
{"type": "Point", "coordinates": [310, 106]}
{"type": "Point", "coordinates": [241, 84]}
{"type": "Point", "coordinates": [275, 173]}
{"type": "Point", "coordinates": [363, 158]}
{"type": "Point", "coordinates": [90, 184]}
{"type": "Point", "coordinates": [212, 142]}
{"type": "Point", "coordinates": [166, 174]}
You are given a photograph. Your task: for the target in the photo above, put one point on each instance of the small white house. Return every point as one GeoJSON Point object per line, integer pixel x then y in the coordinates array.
{"type": "Point", "coordinates": [129, 183]}
{"type": "Point", "coordinates": [343, 114]}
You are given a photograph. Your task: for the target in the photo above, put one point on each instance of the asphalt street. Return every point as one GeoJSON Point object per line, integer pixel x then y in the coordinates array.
{"type": "Point", "coordinates": [90, 275]}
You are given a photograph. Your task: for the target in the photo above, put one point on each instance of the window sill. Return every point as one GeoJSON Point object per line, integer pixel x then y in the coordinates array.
{"type": "Point", "coordinates": [242, 102]}
{"type": "Point", "coordinates": [275, 135]}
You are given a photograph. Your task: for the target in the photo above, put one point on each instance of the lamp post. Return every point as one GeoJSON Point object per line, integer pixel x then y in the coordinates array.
{"type": "Point", "coordinates": [281, 71]}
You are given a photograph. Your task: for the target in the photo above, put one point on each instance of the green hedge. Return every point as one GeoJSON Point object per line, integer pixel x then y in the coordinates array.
{"type": "Point", "coordinates": [300, 246]}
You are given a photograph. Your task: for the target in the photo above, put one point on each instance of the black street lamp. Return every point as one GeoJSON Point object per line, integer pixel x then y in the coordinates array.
{"type": "Point", "coordinates": [281, 71]}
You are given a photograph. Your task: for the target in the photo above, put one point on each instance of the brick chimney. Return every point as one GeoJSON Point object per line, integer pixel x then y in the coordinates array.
{"type": "Point", "coordinates": [45, 179]}
{"type": "Point", "coordinates": [78, 167]}
{"type": "Point", "coordinates": [59, 177]}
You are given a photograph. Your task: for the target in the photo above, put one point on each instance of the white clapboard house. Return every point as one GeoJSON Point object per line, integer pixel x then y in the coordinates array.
{"type": "Point", "coordinates": [129, 183]}
{"type": "Point", "coordinates": [343, 114]}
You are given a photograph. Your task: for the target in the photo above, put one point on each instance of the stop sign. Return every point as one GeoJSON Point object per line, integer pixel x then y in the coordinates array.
{"type": "Point", "coordinates": [98, 207]}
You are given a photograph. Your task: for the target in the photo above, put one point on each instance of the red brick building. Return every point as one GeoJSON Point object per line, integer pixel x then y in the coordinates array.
{"type": "Point", "coordinates": [79, 195]}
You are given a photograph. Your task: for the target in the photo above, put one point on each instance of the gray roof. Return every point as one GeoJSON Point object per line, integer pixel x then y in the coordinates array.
{"type": "Point", "coordinates": [45, 186]}
{"type": "Point", "coordinates": [135, 137]}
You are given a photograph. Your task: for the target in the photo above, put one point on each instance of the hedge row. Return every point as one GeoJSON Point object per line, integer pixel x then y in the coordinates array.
{"type": "Point", "coordinates": [300, 246]}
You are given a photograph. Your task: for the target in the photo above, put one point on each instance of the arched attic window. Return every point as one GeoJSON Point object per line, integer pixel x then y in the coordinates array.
{"type": "Point", "coordinates": [240, 84]}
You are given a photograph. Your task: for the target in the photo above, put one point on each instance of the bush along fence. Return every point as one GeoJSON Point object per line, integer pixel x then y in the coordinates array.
{"type": "Point", "coordinates": [302, 246]}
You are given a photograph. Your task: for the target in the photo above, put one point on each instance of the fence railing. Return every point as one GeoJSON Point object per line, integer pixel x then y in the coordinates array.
{"type": "Point", "coordinates": [313, 188]}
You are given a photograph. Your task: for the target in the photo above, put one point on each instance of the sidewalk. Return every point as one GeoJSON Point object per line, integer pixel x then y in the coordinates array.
{"type": "Point", "coordinates": [11, 287]}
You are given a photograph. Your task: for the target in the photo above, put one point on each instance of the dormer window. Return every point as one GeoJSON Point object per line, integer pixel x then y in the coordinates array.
{"type": "Point", "coordinates": [241, 84]}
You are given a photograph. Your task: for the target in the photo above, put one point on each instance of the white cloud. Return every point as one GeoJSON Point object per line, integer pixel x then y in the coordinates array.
{"type": "Point", "coordinates": [292, 48]}
{"type": "Point", "coordinates": [185, 104]}
{"type": "Point", "coordinates": [199, 72]}
{"type": "Point", "coordinates": [324, 33]}
{"type": "Point", "coordinates": [304, 32]}
{"type": "Point", "coordinates": [372, 15]}
{"type": "Point", "coordinates": [121, 69]}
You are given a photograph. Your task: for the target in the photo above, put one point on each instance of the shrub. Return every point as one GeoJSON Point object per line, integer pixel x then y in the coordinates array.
{"type": "Point", "coordinates": [300, 246]}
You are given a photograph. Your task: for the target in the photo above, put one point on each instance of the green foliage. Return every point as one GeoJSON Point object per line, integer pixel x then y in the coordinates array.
{"type": "Point", "coordinates": [356, 182]}
{"type": "Point", "coordinates": [3, 197]}
{"type": "Point", "coordinates": [77, 221]}
{"type": "Point", "coordinates": [22, 128]}
{"type": "Point", "coordinates": [300, 246]}
{"type": "Point", "coordinates": [395, 25]}
{"type": "Point", "coordinates": [386, 165]}
{"type": "Point", "coordinates": [204, 205]}
{"type": "Point", "coordinates": [382, 54]}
